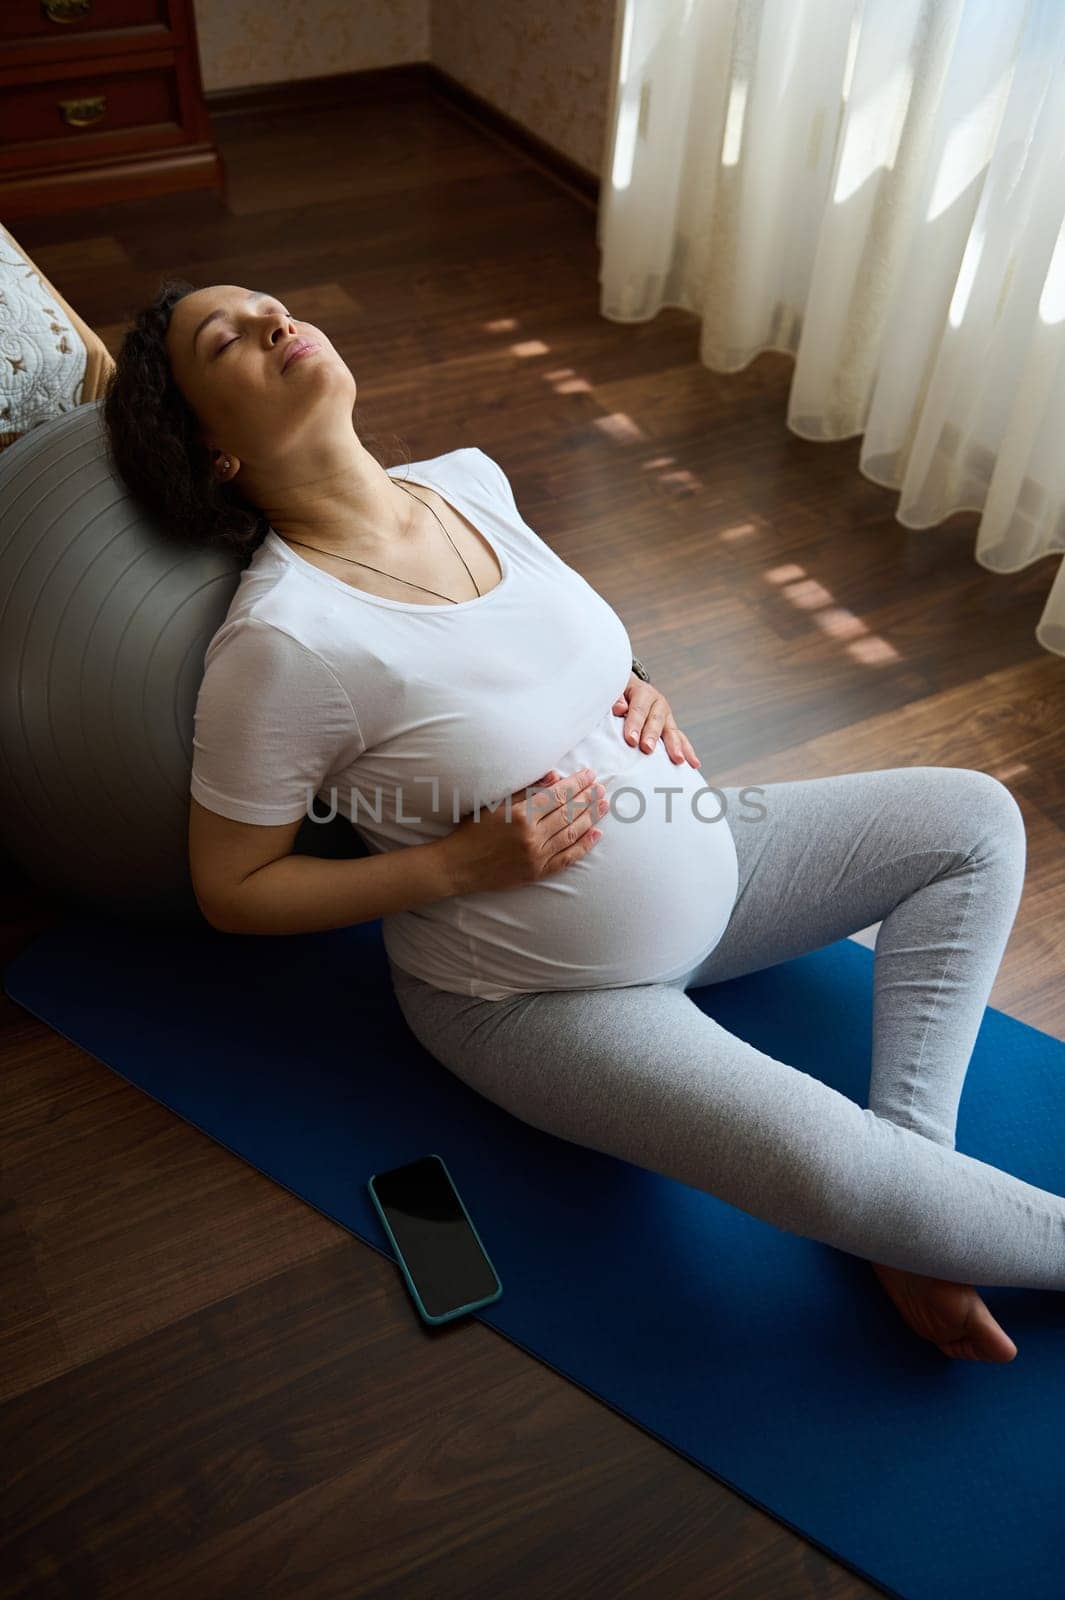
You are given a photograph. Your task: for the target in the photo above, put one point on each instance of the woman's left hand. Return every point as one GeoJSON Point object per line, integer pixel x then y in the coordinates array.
{"type": "Point", "coordinates": [647, 714]}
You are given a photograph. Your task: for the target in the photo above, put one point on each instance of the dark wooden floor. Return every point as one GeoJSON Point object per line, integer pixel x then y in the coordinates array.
{"type": "Point", "coordinates": [208, 1388]}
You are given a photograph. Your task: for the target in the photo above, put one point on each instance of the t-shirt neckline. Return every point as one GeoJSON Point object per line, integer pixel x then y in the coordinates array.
{"type": "Point", "coordinates": [450, 500]}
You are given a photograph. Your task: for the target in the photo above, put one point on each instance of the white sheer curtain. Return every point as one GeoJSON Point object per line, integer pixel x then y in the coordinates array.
{"type": "Point", "coordinates": [877, 188]}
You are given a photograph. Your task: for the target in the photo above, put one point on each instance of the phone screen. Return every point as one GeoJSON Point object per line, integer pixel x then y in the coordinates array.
{"type": "Point", "coordinates": [432, 1232]}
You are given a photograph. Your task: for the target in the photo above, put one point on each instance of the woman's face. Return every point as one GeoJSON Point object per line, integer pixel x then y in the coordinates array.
{"type": "Point", "coordinates": [230, 368]}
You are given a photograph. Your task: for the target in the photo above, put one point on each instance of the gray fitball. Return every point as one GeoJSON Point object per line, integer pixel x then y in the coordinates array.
{"type": "Point", "coordinates": [104, 623]}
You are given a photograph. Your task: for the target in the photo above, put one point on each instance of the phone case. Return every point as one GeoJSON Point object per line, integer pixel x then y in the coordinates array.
{"type": "Point", "coordinates": [459, 1311]}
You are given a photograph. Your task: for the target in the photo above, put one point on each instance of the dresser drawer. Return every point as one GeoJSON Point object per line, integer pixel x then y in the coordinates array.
{"type": "Point", "coordinates": [107, 106]}
{"type": "Point", "coordinates": [69, 19]}
{"type": "Point", "coordinates": [84, 116]}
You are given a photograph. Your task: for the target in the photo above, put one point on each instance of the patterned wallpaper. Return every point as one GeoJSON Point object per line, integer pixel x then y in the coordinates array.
{"type": "Point", "coordinates": [547, 65]}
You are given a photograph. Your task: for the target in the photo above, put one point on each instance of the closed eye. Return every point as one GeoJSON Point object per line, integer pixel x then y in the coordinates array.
{"type": "Point", "coordinates": [228, 342]}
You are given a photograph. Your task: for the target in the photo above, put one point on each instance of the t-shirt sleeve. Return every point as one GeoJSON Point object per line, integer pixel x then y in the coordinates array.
{"type": "Point", "coordinates": [272, 722]}
{"type": "Point", "coordinates": [497, 477]}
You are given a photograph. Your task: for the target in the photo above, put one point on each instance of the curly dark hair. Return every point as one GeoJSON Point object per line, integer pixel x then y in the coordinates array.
{"type": "Point", "coordinates": [154, 442]}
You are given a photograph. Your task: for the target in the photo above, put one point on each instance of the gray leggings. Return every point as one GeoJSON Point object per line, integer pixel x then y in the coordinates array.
{"type": "Point", "coordinates": [937, 856]}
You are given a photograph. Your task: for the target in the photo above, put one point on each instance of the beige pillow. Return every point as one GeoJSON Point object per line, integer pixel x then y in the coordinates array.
{"type": "Point", "coordinates": [50, 361]}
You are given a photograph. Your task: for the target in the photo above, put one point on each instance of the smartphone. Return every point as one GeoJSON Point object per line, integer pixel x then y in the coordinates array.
{"type": "Point", "coordinates": [438, 1248]}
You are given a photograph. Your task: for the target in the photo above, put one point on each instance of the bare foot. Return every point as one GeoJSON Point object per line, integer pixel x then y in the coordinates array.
{"type": "Point", "coordinates": [951, 1315]}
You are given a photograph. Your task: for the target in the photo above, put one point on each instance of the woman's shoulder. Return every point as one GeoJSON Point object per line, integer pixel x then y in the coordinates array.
{"type": "Point", "coordinates": [478, 467]}
{"type": "Point", "coordinates": [272, 612]}
{"type": "Point", "coordinates": [256, 646]}
{"type": "Point", "coordinates": [467, 462]}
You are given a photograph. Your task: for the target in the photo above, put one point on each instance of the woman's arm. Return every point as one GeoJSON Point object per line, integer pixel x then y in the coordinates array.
{"type": "Point", "coordinates": [247, 880]}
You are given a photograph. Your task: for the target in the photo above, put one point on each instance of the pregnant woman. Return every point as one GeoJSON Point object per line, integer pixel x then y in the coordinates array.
{"type": "Point", "coordinates": [552, 871]}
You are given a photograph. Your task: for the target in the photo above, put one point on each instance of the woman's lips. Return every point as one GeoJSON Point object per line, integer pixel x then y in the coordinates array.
{"type": "Point", "coordinates": [300, 350]}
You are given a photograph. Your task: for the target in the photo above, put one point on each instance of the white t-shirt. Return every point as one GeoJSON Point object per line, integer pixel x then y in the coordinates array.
{"type": "Point", "coordinates": [316, 694]}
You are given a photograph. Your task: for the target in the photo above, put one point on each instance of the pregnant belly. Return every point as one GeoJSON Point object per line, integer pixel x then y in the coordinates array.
{"type": "Point", "coordinates": [654, 894]}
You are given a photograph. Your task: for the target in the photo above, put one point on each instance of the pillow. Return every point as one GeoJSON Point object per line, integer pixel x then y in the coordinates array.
{"type": "Point", "coordinates": [50, 361]}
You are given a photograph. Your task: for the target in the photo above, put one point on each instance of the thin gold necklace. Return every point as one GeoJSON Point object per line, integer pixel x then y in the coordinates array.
{"type": "Point", "coordinates": [384, 574]}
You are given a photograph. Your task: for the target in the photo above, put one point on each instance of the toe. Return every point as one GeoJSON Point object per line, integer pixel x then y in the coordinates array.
{"type": "Point", "coordinates": [987, 1338]}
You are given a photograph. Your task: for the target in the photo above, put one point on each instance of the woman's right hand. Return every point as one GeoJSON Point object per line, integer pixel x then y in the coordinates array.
{"type": "Point", "coordinates": [546, 833]}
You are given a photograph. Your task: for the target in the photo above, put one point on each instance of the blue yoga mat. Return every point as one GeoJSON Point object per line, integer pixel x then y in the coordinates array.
{"type": "Point", "coordinates": [775, 1363]}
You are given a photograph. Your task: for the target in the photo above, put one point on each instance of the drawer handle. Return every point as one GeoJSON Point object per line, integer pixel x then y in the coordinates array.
{"type": "Point", "coordinates": [82, 113]}
{"type": "Point", "coordinates": [65, 10]}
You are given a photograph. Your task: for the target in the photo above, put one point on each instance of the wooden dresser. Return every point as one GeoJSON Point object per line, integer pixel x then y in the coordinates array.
{"type": "Point", "coordinates": [100, 100]}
